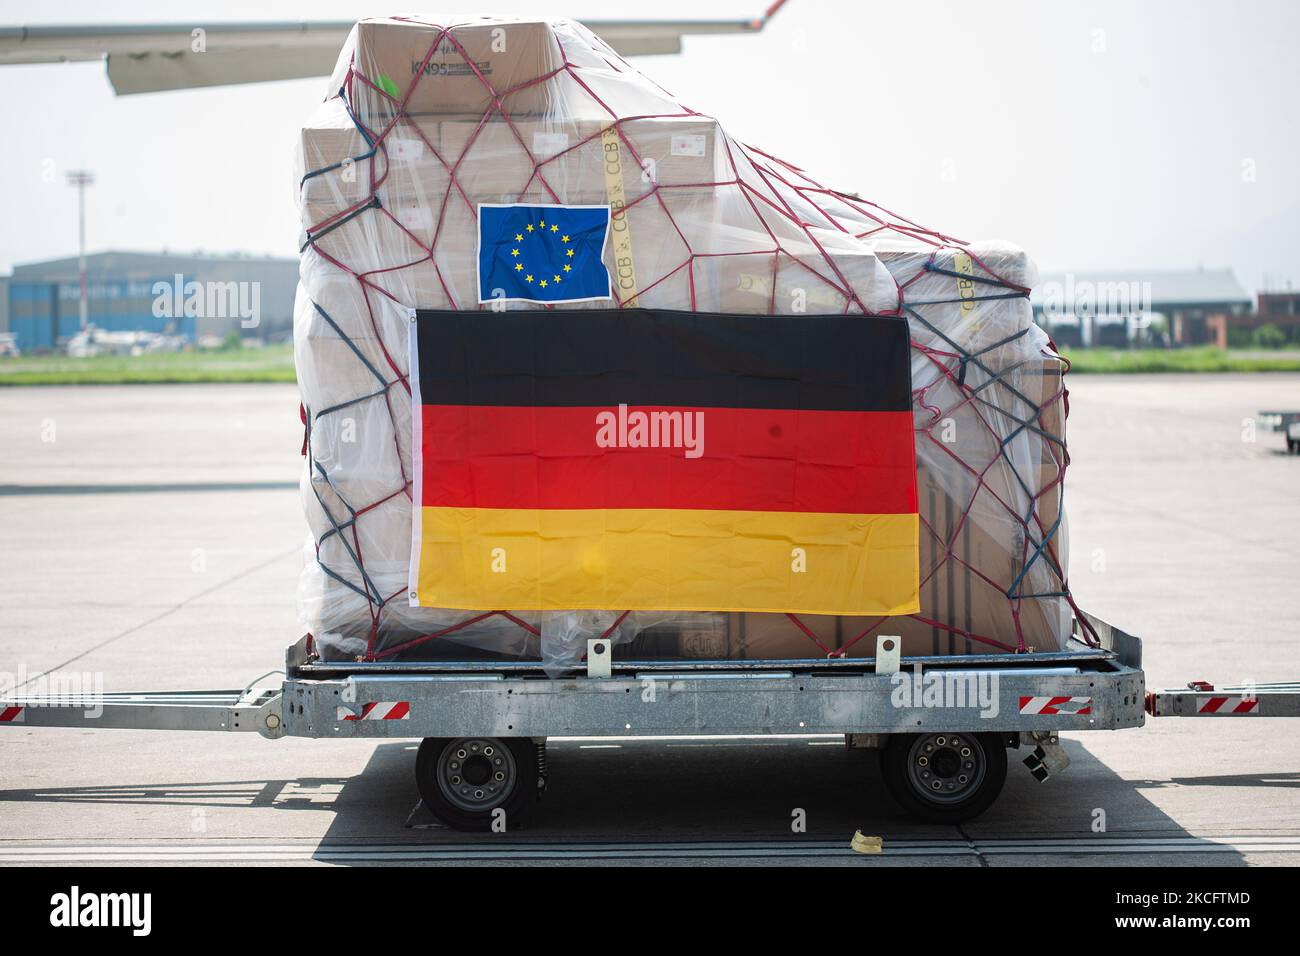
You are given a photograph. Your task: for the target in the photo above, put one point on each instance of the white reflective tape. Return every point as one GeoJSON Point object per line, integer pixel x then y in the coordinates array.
{"type": "Point", "coordinates": [1229, 706]}
{"type": "Point", "coordinates": [1075, 705]}
{"type": "Point", "coordinates": [379, 710]}
{"type": "Point", "coordinates": [1055, 706]}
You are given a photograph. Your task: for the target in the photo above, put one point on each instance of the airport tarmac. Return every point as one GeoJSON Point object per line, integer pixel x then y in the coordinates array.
{"type": "Point", "coordinates": [152, 535]}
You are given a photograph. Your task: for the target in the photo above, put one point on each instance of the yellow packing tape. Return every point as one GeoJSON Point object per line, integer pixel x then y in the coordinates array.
{"type": "Point", "coordinates": [624, 269]}
{"type": "Point", "coordinates": [962, 263]}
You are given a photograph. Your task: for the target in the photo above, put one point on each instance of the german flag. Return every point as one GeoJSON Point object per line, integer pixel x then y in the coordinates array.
{"type": "Point", "coordinates": [658, 460]}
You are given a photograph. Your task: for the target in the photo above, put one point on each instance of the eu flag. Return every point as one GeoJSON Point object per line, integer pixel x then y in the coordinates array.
{"type": "Point", "coordinates": [542, 253]}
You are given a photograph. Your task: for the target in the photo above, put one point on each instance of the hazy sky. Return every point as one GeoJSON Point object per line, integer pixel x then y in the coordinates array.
{"type": "Point", "coordinates": [1095, 134]}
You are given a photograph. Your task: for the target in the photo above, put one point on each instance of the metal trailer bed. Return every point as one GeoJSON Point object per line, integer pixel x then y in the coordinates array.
{"type": "Point", "coordinates": [942, 724]}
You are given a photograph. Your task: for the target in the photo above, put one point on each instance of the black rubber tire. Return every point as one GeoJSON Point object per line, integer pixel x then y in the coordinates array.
{"type": "Point", "coordinates": [514, 801]}
{"type": "Point", "coordinates": [894, 766]}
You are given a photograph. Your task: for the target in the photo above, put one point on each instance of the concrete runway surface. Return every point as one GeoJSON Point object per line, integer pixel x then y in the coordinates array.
{"type": "Point", "coordinates": [153, 534]}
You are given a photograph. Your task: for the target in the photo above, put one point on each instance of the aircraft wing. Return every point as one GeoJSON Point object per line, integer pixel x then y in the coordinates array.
{"type": "Point", "coordinates": [148, 58]}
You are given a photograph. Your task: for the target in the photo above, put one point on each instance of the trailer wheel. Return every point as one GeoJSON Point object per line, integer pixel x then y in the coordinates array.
{"type": "Point", "coordinates": [467, 782]}
{"type": "Point", "coordinates": [944, 777]}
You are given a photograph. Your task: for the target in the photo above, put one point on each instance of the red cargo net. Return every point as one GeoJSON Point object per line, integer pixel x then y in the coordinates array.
{"type": "Point", "coordinates": [815, 208]}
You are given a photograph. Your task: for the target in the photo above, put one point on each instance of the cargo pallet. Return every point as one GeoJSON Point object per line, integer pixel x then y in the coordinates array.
{"type": "Point", "coordinates": [485, 723]}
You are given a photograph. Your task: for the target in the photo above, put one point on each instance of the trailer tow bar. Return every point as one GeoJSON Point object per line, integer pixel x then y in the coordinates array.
{"type": "Point", "coordinates": [1201, 699]}
{"type": "Point", "coordinates": [246, 710]}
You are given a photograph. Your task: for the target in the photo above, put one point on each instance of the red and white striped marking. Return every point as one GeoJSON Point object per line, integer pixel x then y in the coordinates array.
{"type": "Point", "coordinates": [1051, 706]}
{"type": "Point", "coordinates": [379, 710]}
{"type": "Point", "coordinates": [1228, 706]}
{"type": "Point", "coordinates": [11, 715]}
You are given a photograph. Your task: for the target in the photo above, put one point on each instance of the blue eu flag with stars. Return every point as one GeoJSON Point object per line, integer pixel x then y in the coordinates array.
{"type": "Point", "coordinates": [536, 253]}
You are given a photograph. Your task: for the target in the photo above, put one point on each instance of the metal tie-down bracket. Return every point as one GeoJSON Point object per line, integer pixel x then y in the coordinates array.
{"type": "Point", "coordinates": [889, 652]}
{"type": "Point", "coordinates": [600, 655]}
{"type": "Point", "coordinates": [1048, 757]}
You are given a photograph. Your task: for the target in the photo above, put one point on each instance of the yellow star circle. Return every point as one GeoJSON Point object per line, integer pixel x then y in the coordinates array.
{"type": "Point", "coordinates": [520, 266]}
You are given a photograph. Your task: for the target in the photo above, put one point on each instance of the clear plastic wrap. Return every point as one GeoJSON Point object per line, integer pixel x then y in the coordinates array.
{"type": "Point", "coordinates": [425, 119]}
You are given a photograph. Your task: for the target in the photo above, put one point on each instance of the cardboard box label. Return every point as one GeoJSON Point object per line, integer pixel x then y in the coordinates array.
{"type": "Point", "coordinates": [687, 144]}
{"type": "Point", "coordinates": [405, 148]}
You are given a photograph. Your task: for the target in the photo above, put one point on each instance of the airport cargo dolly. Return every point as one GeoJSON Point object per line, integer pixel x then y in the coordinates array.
{"type": "Point", "coordinates": [1288, 423]}
{"type": "Point", "coordinates": [943, 725]}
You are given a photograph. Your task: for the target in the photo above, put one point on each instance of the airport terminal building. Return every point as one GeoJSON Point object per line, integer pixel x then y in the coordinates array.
{"type": "Point", "coordinates": [191, 296]}
{"type": "Point", "coordinates": [1121, 308]}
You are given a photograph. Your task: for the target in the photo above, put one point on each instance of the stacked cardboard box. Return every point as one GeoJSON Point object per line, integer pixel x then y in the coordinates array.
{"type": "Point", "coordinates": [429, 120]}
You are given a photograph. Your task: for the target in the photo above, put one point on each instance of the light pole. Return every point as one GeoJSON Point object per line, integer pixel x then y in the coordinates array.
{"type": "Point", "coordinates": [81, 178]}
